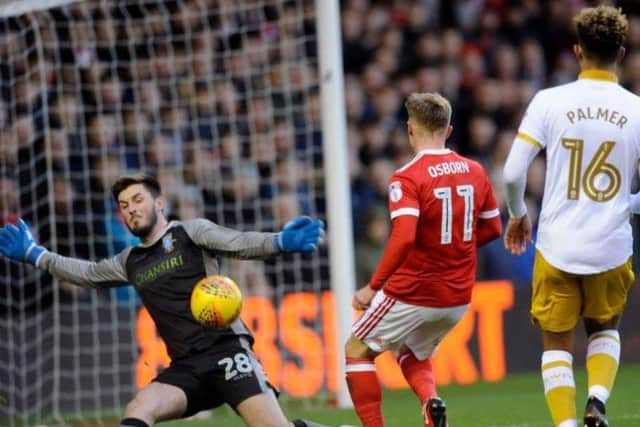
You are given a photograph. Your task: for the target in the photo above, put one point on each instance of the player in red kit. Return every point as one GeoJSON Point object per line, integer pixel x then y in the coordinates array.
{"type": "Point", "coordinates": [442, 208]}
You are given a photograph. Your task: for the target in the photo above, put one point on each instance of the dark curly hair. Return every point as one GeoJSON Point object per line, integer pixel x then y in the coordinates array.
{"type": "Point", "coordinates": [601, 32]}
{"type": "Point", "coordinates": [149, 182]}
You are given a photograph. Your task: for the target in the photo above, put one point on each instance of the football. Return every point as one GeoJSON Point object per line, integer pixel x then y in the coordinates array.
{"type": "Point", "coordinates": [216, 302]}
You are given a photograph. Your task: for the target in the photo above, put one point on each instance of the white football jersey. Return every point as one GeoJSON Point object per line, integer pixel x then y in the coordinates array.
{"type": "Point", "coordinates": [591, 131]}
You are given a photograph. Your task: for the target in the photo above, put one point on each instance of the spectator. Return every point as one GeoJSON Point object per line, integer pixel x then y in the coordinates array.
{"type": "Point", "coordinates": [197, 97]}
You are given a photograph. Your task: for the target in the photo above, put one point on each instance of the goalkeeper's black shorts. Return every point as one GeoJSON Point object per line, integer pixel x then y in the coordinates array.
{"type": "Point", "coordinates": [230, 375]}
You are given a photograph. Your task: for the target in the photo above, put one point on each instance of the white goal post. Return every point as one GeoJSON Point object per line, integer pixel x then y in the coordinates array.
{"type": "Point", "coordinates": [238, 108]}
{"type": "Point", "coordinates": [337, 182]}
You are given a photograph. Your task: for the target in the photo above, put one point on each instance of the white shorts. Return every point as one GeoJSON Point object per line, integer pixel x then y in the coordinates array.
{"type": "Point", "coordinates": [389, 323]}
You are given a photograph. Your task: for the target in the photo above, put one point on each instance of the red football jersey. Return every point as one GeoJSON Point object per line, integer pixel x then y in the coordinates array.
{"type": "Point", "coordinates": [448, 193]}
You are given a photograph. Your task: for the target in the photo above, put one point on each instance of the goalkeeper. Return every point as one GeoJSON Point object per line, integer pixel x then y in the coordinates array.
{"type": "Point", "coordinates": [209, 367]}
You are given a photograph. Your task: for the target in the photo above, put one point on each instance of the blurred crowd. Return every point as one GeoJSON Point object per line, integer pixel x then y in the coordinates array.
{"type": "Point", "coordinates": [221, 102]}
{"type": "Point", "coordinates": [488, 57]}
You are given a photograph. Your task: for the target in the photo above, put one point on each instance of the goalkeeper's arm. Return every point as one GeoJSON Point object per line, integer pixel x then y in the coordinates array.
{"type": "Point", "coordinates": [302, 234]}
{"type": "Point", "coordinates": [17, 243]}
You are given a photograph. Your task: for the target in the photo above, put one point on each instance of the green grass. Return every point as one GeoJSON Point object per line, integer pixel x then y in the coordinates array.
{"type": "Point", "coordinates": [515, 402]}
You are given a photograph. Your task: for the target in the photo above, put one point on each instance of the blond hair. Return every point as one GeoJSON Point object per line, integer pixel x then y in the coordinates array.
{"type": "Point", "coordinates": [601, 32]}
{"type": "Point", "coordinates": [431, 111]}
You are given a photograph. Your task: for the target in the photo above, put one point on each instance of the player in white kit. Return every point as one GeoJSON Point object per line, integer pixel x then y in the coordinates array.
{"type": "Point", "coordinates": [590, 129]}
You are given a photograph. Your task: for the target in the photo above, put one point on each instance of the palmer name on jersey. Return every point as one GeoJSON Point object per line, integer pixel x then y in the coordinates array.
{"type": "Point", "coordinates": [597, 113]}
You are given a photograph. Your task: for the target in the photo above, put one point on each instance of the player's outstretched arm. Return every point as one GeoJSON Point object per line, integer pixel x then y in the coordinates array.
{"type": "Point", "coordinates": [17, 243]}
{"type": "Point", "coordinates": [302, 234]}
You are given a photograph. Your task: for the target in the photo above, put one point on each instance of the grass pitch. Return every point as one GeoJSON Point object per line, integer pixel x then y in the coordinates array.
{"type": "Point", "coordinates": [516, 401]}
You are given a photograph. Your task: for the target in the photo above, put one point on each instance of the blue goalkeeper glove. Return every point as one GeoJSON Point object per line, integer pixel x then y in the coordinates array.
{"type": "Point", "coordinates": [18, 244]}
{"type": "Point", "coordinates": [302, 234]}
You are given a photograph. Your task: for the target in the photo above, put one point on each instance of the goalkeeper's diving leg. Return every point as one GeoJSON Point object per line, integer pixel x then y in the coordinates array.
{"type": "Point", "coordinates": [263, 410]}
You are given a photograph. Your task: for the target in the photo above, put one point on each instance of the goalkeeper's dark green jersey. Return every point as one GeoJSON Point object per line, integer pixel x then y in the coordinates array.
{"type": "Point", "coordinates": [165, 272]}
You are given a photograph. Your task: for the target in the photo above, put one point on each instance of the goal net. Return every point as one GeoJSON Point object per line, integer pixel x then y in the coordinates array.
{"type": "Point", "coordinates": [220, 100]}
